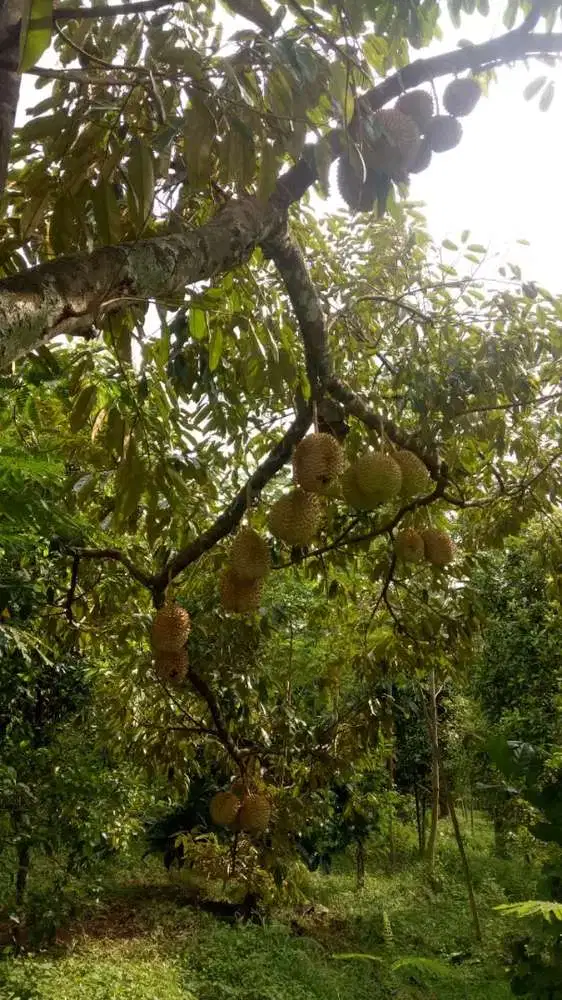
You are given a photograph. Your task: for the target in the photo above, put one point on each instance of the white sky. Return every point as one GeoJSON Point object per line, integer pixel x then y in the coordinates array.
{"type": "Point", "coordinates": [504, 181]}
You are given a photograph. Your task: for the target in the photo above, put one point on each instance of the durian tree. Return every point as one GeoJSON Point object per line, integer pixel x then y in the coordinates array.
{"type": "Point", "coordinates": [175, 318]}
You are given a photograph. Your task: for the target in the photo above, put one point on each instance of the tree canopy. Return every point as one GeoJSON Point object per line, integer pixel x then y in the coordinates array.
{"type": "Point", "coordinates": [176, 316]}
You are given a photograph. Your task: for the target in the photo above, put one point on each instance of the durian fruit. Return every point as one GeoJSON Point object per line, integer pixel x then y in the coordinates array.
{"type": "Point", "coordinates": [461, 96]}
{"type": "Point", "coordinates": [239, 595]}
{"type": "Point", "coordinates": [171, 667]}
{"type": "Point", "coordinates": [255, 813]}
{"type": "Point", "coordinates": [422, 159]}
{"type": "Point", "coordinates": [295, 517]}
{"type": "Point", "coordinates": [249, 556]}
{"type": "Point", "coordinates": [438, 546]}
{"type": "Point", "coordinates": [318, 461]}
{"type": "Point", "coordinates": [350, 490]}
{"type": "Point", "coordinates": [378, 478]}
{"type": "Point", "coordinates": [359, 194]}
{"type": "Point", "coordinates": [391, 141]}
{"type": "Point", "coordinates": [408, 545]}
{"type": "Point", "coordinates": [443, 133]}
{"type": "Point", "coordinates": [223, 808]}
{"type": "Point", "coordinates": [415, 477]}
{"type": "Point", "coordinates": [170, 628]}
{"type": "Point", "coordinates": [418, 105]}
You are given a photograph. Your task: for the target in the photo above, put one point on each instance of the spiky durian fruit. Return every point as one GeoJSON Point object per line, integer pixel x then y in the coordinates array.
{"type": "Point", "coordinates": [415, 477]}
{"type": "Point", "coordinates": [422, 158]}
{"type": "Point", "coordinates": [255, 813]}
{"type": "Point", "coordinates": [239, 595]}
{"type": "Point", "coordinates": [460, 97]}
{"type": "Point", "coordinates": [438, 546]}
{"type": "Point", "coordinates": [223, 808]}
{"type": "Point", "coordinates": [391, 141]}
{"type": "Point", "coordinates": [443, 133]}
{"type": "Point", "coordinates": [171, 667]}
{"type": "Point", "coordinates": [249, 556]}
{"type": "Point", "coordinates": [408, 545]}
{"type": "Point", "coordinates": [170, 628]}
{"type": "Point", "coordinates": [418, 105]}
{"type": "Point", "coordinates": [350, 490]}
{"type": "Point", "coordinates": [359, 194]}
{"type": "Point", "coordinates": [318, 461]}
{"type": "Point", "coordinates": [295, 517]}
{"type": "Point", "coordinates": [378, 478]}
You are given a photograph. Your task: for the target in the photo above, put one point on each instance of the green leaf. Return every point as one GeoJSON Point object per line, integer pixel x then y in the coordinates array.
{"type": "Point", "coordinates": [82, 407]}
{"type": "Point", "coordinates": [33, 213]}
{"type": "Point", "coordinates": [431, 966]}
{"type": "Point", "coordinates": [268, 172]}
{"type": "Point", "coordinates": [532, 908]}
{"type": "Point", "coordinates": [198, 324]}
{"type": "Point", "coordinates": [106, 211]}
{"type": "Point", "coordinates": [353, 955]}
{"type": "Point", "coordinates": [341, 89]}
{"type": "Point", "coordinates": [140, 175]}
{"type": "Point", "coordinates": [215, 347]}
{"type": "Point", "coordinates": [43, 127]}
{"type": "Point", "coordinates": [198, 140]}
{"type": "Point", "coordinates": [547, 96]}
{"type": "Point", "coordinates": [533, 88]}
{"type": "Point", "coordinates": [449, 245]}
{"type": "Point", "coordinates": [34, 40]}
{"type": "Point", "coordinates": [322, 153]}
{"type": "Point", "coordinates": [510, 14]}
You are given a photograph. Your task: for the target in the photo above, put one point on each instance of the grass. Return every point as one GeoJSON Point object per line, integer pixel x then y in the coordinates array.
{"type": "Point", "coordinates": [143, 945]}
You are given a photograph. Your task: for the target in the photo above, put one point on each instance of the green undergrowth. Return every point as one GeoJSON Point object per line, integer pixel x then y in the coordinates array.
{"type": "Point", "coordinates": [403, 936]}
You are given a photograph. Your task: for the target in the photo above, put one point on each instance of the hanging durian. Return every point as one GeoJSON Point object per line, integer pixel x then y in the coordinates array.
{"type": "Point", "coordinates": [318, 462]}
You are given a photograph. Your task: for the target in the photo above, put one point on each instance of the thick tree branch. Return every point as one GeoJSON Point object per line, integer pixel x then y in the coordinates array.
{"type": "Point", "coordinates": [234, 513]}
{"type": "Point", "coordinates": [38, 304]}
{"type": "Point", "coordinates": [35, 305]}
{"type": "Point", "coordinates": [507, 48]}
{"type": "Point", "coordinates": [200, 685]}
{"type": "Point", "coordinates": [115, 554]}
{"type": "Point", "coordinates": [308, 309]}
{"type": "Point", "coordinates": [10, 14]}
{"type": "Point", "coordinates": [62, 14]}
{"type": "Point", "coordinates": [375, 421]}
{"type": "Point", "coordinates": [305, 300]}
{"type": "Point", "coordinates": [533, 17]}
{"type": "Point", "coordinates": [346, 538]}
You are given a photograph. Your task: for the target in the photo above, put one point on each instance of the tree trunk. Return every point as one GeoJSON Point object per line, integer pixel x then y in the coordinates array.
{"type": "Point", "coordinates": [24, 857]}
{"type": "Point", "coordinates": [433, 731]}
{"type": "Point", "coordinates": [466, 867]}
{"type": "Point", "coordinates": [10, 15]}
{"type": "Point", "coordinates": [67, 296]}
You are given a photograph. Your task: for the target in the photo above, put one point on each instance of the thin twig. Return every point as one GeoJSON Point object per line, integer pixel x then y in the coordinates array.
{"type": "Point", "coordinates": [72, 588]}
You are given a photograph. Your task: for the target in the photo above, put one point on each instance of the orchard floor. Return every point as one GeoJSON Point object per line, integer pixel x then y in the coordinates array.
{"type": "Point", "coordinates": [142, 944]}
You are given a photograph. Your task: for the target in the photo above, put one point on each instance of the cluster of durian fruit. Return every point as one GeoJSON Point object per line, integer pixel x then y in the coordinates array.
{"type": "Point", "coordinates": [399, 141]}
{"type": "Point", "coordinates": [241, 809]}
{"type": "Point", "coordinates": [321, 472]}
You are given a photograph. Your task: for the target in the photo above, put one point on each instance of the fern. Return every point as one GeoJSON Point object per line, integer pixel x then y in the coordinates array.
{"type": "Point", "coordinates": [426, 966]}
{"type": "Point", "coordinates": [430, 966]}
{"type": "Point", "coordinates": [357, 955]}
{"type": "Point", "coordinates": [546, 909]}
